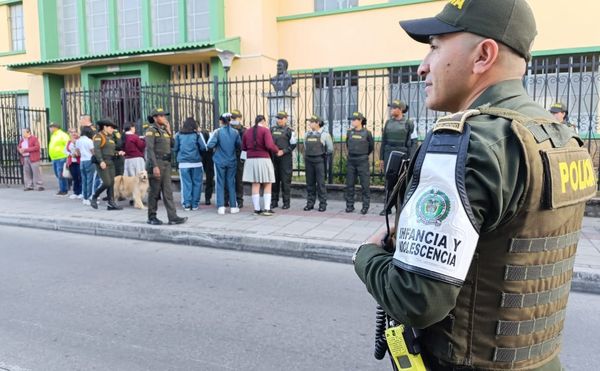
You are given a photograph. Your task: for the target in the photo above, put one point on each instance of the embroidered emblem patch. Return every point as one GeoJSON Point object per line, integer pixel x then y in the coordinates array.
{"type": "Point", "coordinates": [433, 207]}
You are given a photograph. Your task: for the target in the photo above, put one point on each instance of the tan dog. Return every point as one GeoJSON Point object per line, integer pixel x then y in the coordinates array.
{"type": "Point", "coordinates": [135, 187]}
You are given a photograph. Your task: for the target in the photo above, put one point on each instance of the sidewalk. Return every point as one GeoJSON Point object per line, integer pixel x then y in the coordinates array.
{"type": "Point", "coordinates": [332, 235]}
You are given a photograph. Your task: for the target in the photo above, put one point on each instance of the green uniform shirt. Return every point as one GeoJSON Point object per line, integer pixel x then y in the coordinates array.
{"type": "Point", "coordinates": [104, 147]}
{"type": "Point", "coordinates": [158, 145]}
{"type": "Point", "coordinates": [494, 179]}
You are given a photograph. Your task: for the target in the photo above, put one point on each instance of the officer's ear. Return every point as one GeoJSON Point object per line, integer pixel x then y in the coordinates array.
{"type": "Point", "coordinates": [486, 55]}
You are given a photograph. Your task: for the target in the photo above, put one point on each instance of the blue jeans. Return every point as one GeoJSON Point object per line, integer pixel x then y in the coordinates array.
{"type": "Point", "coordinates": [57, 165]}
{"type": "Point", "coordinates": [226, 178]}
{"type": "Point", "coordinates": [76, 173]}
{"type": "Point", "coordinates": [87, 178]}
{"type": "Point", "coordinates": [191, 186]}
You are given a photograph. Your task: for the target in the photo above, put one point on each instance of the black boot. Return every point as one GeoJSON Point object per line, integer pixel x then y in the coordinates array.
{"type": "Point", "coordinates": [154, 221]}
{"type": "Point", "coordinates": [113, 206]}
{"type": "Point", "coordinates": [94, 202]}
{"type": "Point", "coordinates": [178, 220]}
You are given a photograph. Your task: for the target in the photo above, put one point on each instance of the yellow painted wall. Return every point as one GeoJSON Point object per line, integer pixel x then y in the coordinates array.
{"type": "Point", "coordinates": [255, 21]}
{"type": "Point", "coordinates": [374, 36]}
{"type": "Point", "coordinates": [10, 80]}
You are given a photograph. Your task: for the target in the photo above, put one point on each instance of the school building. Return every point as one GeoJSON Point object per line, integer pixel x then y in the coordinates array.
{"type": "Point", "coordinates": [118, 58]}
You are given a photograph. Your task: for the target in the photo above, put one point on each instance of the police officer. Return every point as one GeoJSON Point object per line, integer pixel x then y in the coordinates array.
{"type": "Point", "coordinates": [317, 146]}
{"type": "Point", "coordinates": [284, 137]}
{"type": "Point", "coordinates": [237, 124]}
{"type": "Point", "coordinates": [159, 141]}
{"type": "Point", "coordinates": [482, 256]}
{"type": "Point", "coordinates": [360, 145]}
{"type": "Point", "coordinates": [397, 134]}
{"type": "Point", "coordinates": [104, 153]}
{"type": "Point", "coordinates": [119, 159]}
{"type": "Point", "coordinates": [560, 112]}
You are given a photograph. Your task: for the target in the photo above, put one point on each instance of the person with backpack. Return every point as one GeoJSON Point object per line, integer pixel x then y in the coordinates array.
{"type": "Point", "coordinates": [188, 147]}
{"type": "Point", "coordinates": [104, 153]}
{"type": "Point", "coordinates": [225, 141]}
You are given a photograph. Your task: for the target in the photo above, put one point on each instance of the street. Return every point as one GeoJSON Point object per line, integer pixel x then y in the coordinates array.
{"type": "Point", "coordinates": [71, 302]}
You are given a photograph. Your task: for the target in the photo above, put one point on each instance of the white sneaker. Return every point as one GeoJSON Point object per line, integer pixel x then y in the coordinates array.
{"type": "Point", "coordinates": [80, 196]}
{"type": "Point", "coordinates": [86, 202]}
{"type": "Point", "coordinates": [73, 196]}
{"type": "Point", "coordinates": [221, 211]}
{"type": "Point", "coordinates": [235, 210]}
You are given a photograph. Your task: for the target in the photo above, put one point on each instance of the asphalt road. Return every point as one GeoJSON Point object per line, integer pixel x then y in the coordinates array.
{"type": "Point", "coordinates": [69, 302]}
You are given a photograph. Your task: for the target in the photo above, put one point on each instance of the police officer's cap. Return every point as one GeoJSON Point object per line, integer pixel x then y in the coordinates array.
{"type": "Point", "coordinates": [558, 107]}
{"type": "Point", "coordinates": [281, 115]}
{"type": "Point", "coordinates": [236, 114]}
{"type": "Point", "coordinates": [397, 103]}
{"type": "Point", "coordinates": [510, 22]}
{"type": "Point", "coordinates": [159, 112]}
{"type": "Point", "coordinates": [105, 122]}
{"type": "Point", "coordinates": [54, 125]}
{"type": "Point", "coordinates": [356, 116]}
{"type": "Point", "coordinates": [314, 118]}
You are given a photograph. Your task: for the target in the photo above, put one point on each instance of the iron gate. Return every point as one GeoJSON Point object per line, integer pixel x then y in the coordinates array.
{"type": "Point", "coordinates": [12, 120]}
{"type": "Point", "coordinates": [126, 102]}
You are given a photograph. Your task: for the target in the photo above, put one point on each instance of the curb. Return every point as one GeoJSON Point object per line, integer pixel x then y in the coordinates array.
{"type": "Point", "coordinates": [338, 252]}
{"type": "Point", "coordinates": [283, 246]}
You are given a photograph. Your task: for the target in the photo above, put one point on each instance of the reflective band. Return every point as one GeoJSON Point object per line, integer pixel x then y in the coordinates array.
{"type": "Point", "coordinates": [535, 298]}
{"type": "Point", "coordinates": [525, 245]}
{"type": "Point", "coordinates": [516, 328]}
{"type": "Point", "coordinates": [536, 272]}
{"type": "Point", "coordinates": [526, 353]}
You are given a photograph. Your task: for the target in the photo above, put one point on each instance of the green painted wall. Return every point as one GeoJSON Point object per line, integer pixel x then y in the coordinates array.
{"type": "Point", "coordinates": [216, 9]}
{"type": "Point", "coordinates": [149, 72]}
{"type": "Point", "coordinates": [48, 28]}
{"type": "Point", "coordinates": [52, 87]}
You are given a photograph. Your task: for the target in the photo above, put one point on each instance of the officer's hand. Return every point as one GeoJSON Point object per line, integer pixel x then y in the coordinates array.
{"type": "Point", "coordinates": [280, 153]}
{"type": "Point", "coordinates": [121, 153]}
{"type": "Point", "coordinates": [381, 239]}
{"type": "Point", "coordinates": [381, 166]}
{"type": "Point", "coordinates": [103, 165]}
{"type": "Point", "coordinates": [156, 172]}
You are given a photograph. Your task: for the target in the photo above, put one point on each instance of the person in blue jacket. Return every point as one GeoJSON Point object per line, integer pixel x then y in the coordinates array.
{"type": "Point", "coordinates": [225, 141]}
{"type": "Point", "coordinates": [188, 145]}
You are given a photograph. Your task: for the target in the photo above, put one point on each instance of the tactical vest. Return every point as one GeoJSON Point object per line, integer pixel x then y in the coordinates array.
{"type": "Point", "coordinates": [358, 142]}
{"type": "Point", "coordinates": [107, 145]}
{"type": "Point", "coordinates": [313, 145]}
{"type": "Point", "coordinates": [510, 311]}
{"type": "Point", "coordinates": [162, 141]}
{"type": "Point", "coordinates": [282, 136]}
{"type": "Point", "coordinates": [396, 134]}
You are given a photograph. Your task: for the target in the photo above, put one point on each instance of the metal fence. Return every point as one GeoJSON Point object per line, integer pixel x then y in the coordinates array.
{"type": "Point", "coordinates": [333, 95]}
{"type": "Point", "coordinates": [12, 120]}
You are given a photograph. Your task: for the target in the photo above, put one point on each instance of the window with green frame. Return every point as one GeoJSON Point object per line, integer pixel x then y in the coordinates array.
{"type": "Point", "coordinates": [68, 28]}
{"type": "Point", "coordinates": [17, 28]}
{"type": "Point", "coordinates": [129, 13]}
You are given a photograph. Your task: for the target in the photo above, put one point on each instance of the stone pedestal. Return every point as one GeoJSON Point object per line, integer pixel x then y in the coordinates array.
{"type": "Point", "coordinates": [282, 101]}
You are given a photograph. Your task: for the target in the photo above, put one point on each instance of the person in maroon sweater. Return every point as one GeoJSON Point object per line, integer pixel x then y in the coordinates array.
{"type": "Point", "coordinates": [29, 149]}
{"type": "Point", "coordinates": [258, 168]}
{"type": "Point", "coordinates": [134, 147]}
